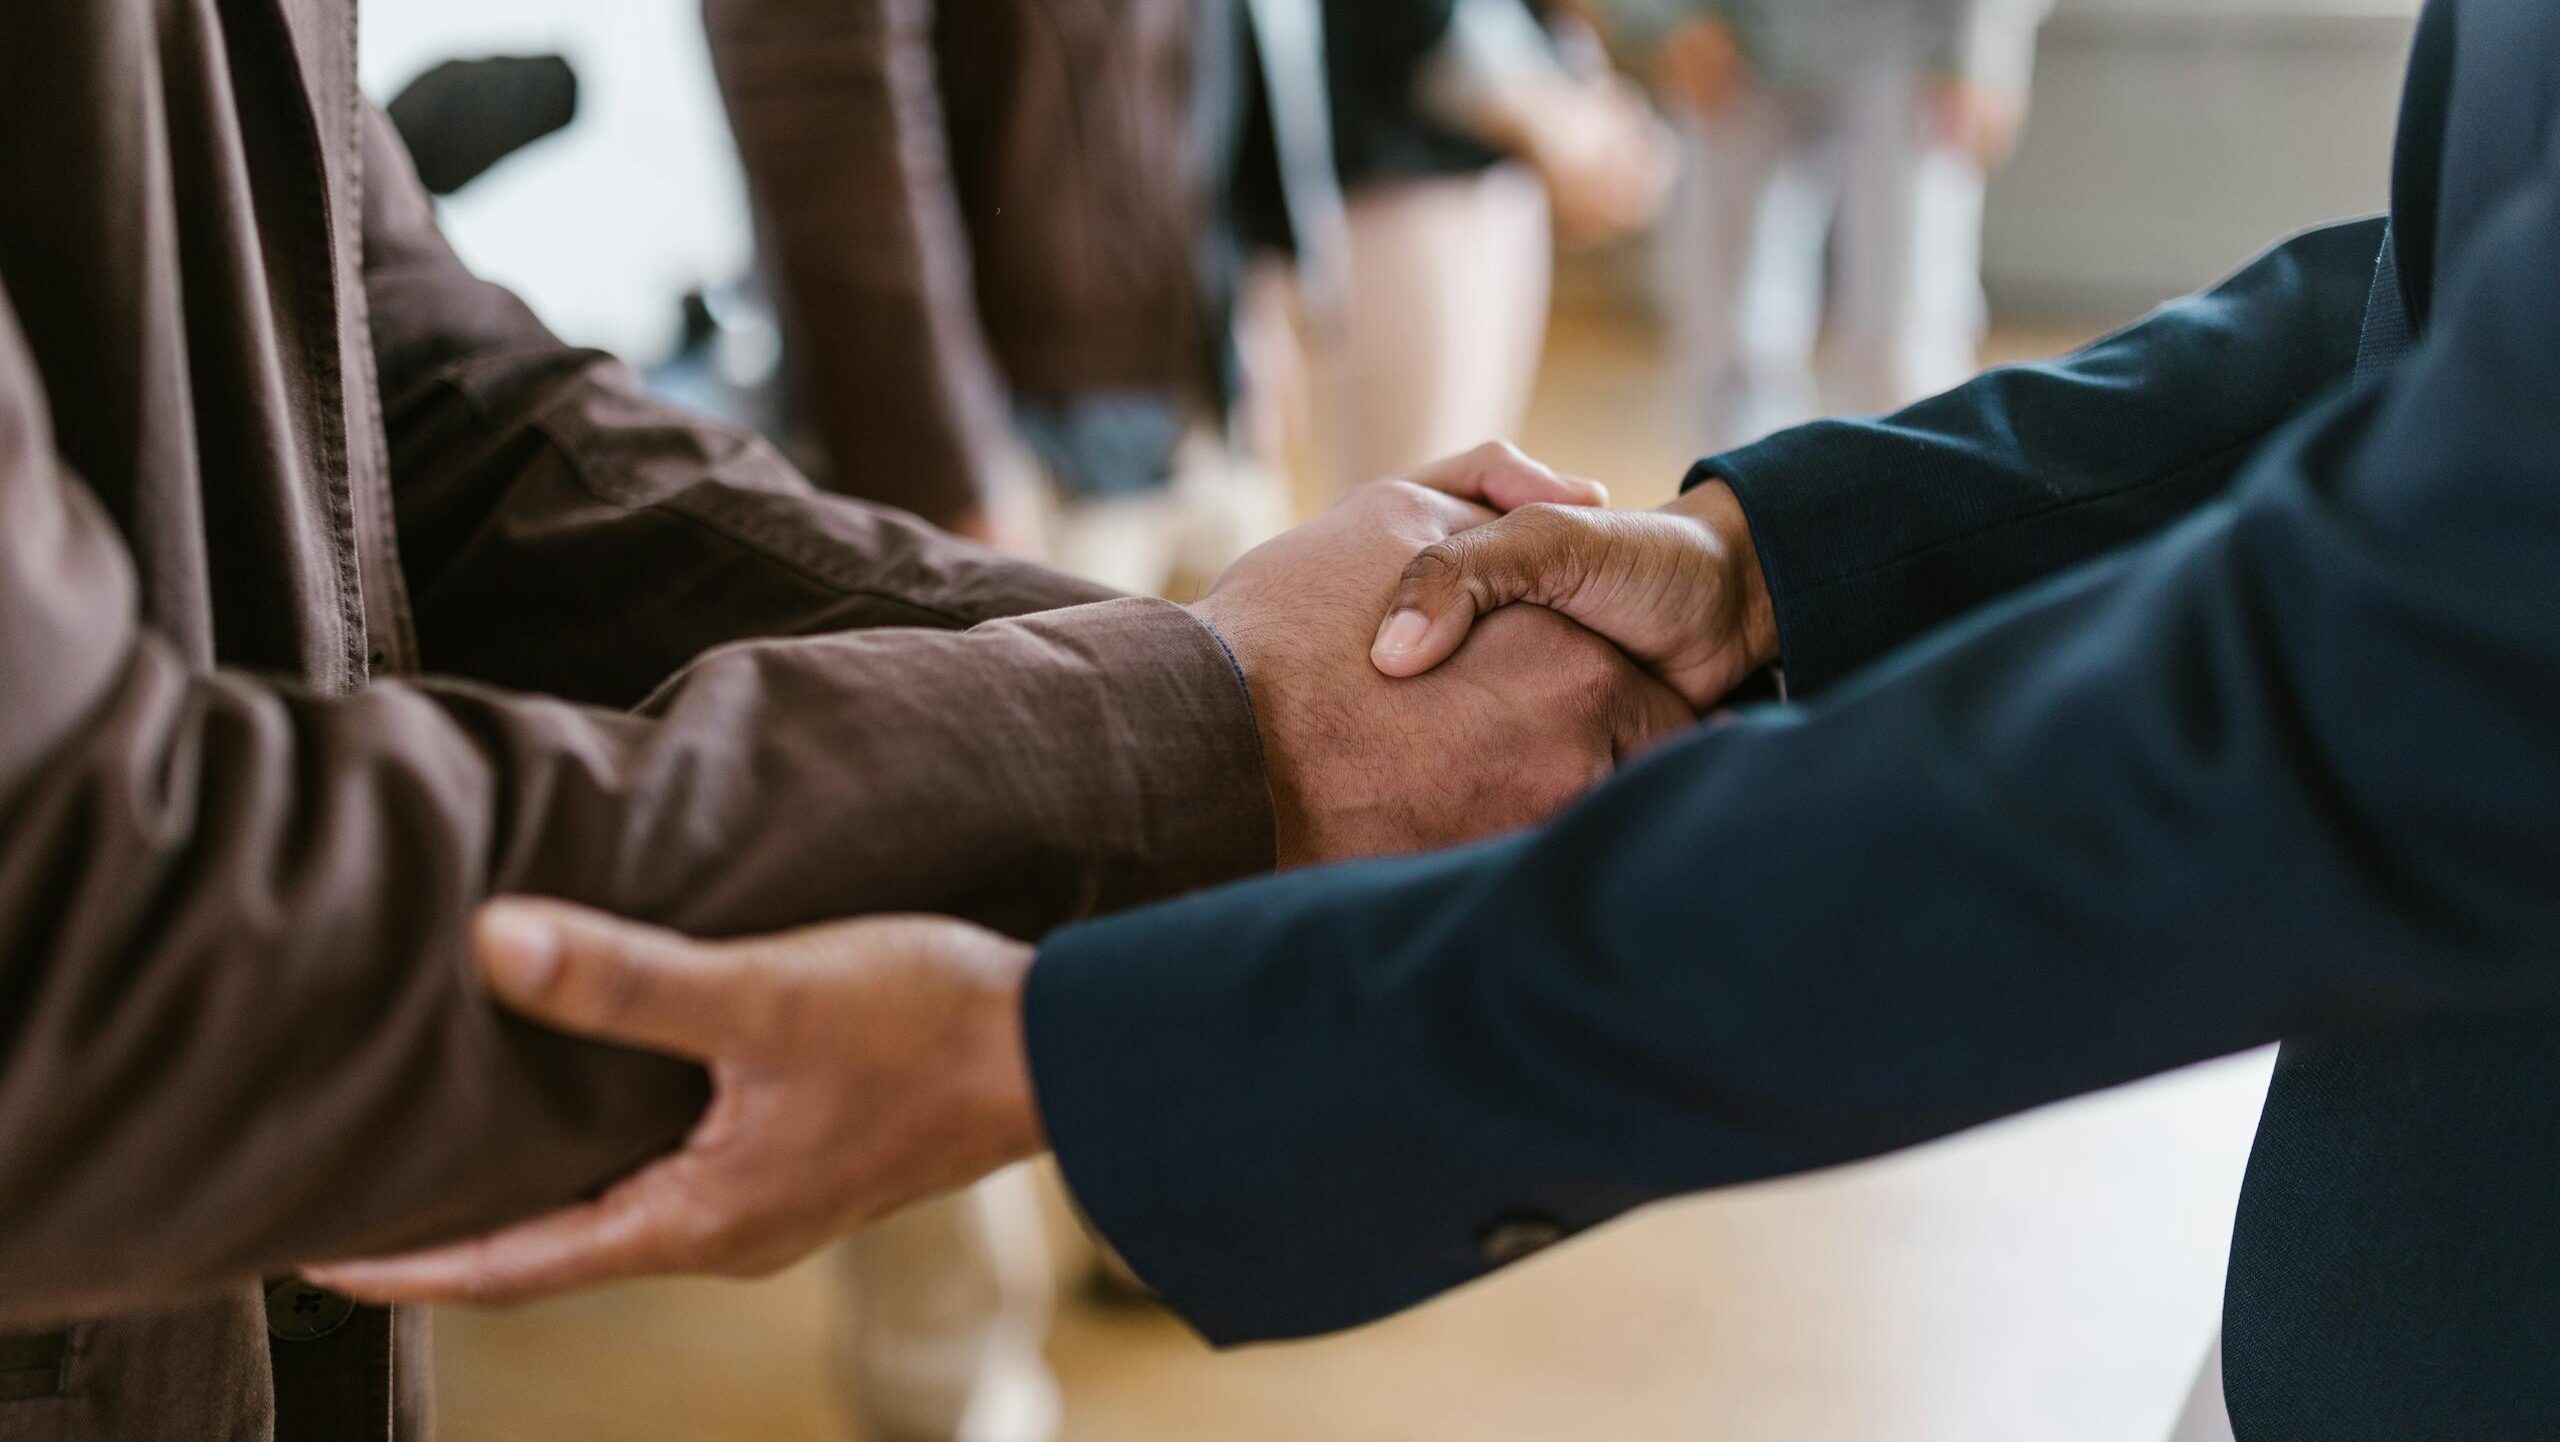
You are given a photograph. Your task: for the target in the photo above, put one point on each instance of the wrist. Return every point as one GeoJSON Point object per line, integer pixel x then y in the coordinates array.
{"type": "Point", "coordinates": [1003, 1101]}
{"type": "Point", "coordinates": [1291, 827]}
{"type": "Point", "coordinates": [1714, 506]}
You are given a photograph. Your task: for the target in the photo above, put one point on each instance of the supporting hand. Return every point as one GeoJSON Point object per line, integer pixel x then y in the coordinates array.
{"type": "Point", "coordinates": [1678, 589]}
{"type": "Point", "coordinates": [856, 1068]}
{"type": "Point", "coordinates": [1527, 715]}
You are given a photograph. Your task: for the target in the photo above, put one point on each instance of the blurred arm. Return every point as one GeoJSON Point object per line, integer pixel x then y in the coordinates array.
{"type": "Point", "coordinates": [1997, 44]}
{"type": "Point", "coordinates": [1488, 52]}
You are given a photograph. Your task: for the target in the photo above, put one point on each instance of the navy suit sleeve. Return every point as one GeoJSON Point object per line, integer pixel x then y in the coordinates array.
{"type": "Point", "coordinates": [1872, 532]}
{"type": "Point", "coordinates": [2286, 768]}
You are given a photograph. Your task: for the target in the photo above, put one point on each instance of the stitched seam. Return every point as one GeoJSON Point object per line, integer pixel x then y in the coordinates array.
{"type": "Point", "coordinates": [402, 644]}
{"type": "Point", "coordinates": [329, 381]}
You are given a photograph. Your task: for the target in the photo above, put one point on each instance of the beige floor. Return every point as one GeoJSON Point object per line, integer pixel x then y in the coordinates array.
{"type": "Point", "coordinates": [2050, 1280]}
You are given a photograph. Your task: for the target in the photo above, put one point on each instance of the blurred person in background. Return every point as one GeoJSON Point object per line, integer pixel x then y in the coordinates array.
{"type": "Point", "coordinates": [1006, 239]}
{"type": "Point", "coordinates": [1838, 156]}
{"type": "Point", "coordinates": [1468, 134]}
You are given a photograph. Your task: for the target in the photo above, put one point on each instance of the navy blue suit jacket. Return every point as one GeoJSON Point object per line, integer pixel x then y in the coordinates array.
{"type": "Point", "coordinates": [2197, 691]}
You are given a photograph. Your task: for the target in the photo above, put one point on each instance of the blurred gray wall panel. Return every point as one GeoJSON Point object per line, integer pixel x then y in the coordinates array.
{"type": "Point", "coordinates": [2172, 141]}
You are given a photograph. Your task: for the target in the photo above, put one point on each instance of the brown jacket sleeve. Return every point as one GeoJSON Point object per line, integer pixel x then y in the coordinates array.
{"type": "Point", "coordinates": [237, 1026]}
{"type": "Point", "coordinates": [837, 109]}
{"type": "Point", "coordinates": [563, 533]}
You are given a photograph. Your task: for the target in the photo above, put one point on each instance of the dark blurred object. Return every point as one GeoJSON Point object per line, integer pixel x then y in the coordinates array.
{"type": "Point", "coordinates": [726, 361]}
{"type": "Point", "coordinates": [464, 116]}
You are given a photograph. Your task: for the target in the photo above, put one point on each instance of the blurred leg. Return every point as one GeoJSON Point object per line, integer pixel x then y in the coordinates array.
{"type": "Point", "coordinates": [1228, 497]}
{"type": "Point", "coordinates": [1450, 279]}
{"type": "Point", "coordinates": [1124, 542]}
{"type": "Point", "coordinates": [947, 1309]}
{"type": "Point", "coordinates": [1909, 250]}
{"type": "Point", "coordinates": [1943, 348]}
{"type": "Point", "coordinates": [1742, 274]}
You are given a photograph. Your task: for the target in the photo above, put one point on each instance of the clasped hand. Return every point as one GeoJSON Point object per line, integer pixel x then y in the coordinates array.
{"type": "Point", "coordinates": [862, 1066]}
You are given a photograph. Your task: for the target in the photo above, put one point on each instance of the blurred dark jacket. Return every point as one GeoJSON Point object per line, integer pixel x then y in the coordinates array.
{"type": "Point", "coordinates": [964, 202]}
{"type": "Point", "coordinates": [268, 454]}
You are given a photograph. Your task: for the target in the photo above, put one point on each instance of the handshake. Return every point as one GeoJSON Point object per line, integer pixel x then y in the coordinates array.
{"type": "Point", "coordinates": [1435, 660]}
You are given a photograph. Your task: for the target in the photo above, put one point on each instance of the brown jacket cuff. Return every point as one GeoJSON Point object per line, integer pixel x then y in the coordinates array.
{"type": "Point", "coordinates": [1177, 741]}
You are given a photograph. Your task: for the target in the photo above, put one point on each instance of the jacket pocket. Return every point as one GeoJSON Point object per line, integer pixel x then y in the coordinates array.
{"type": "Point", "coordinates": [34, 1366]}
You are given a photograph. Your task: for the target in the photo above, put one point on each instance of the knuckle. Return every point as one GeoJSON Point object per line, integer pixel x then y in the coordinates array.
{"type": "Point", "coordinates": [711, 1237]}
{"type": "Point", "coordinates": [1395, 494]}
{"type": "Point", "coordinates": [1436, 567]}
{"type": "Point", "coordinates": [478, 1290]}
{"type": "Point", "coordinates": [1549, 521]}
{"type": "Point", "coordinates": [615, 986]}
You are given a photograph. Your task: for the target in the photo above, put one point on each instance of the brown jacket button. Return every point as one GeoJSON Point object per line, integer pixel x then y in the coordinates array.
{"type": "Point", "coordinates": [1510, 1241]}
{"type": "Point", "coordinates": [300, 1312]}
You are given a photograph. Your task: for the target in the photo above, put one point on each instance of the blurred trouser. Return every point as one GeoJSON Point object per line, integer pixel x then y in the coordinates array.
{"type": "Point", "coordinates": [1174, 540]}
{"type": "Point", "coordinates": [946, 1311]}
{"type": "Point", "coordinates": [1446, 319]}
{"type": "Point", "coordinates": [1779, 184]}
{"type": "Point", "coordinates": [2206, 1419]}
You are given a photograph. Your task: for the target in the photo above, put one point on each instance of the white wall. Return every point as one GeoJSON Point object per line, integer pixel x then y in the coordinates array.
{"type": "Point", "coordinates": [2172, 139]}
{"type": "Point", "coordinates": [604, 226]}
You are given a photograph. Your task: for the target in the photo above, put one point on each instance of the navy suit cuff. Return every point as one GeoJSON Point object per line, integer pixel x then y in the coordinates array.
{"type": "Point", "coordinates": [1786, 503]}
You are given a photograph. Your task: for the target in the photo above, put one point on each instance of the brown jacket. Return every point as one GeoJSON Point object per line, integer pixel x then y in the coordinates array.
{"type": "Point", "coordinates": [268, 458]}
{"type": "Point", "coordinates": [961, 198]}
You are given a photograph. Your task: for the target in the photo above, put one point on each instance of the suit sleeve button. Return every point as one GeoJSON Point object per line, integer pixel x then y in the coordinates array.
{"type": "Point", "coordinates": [1517, 1238]}
{"type": "Point", "coordinates": [300, 1312]}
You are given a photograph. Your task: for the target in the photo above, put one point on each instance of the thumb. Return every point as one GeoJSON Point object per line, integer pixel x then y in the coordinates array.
{"type": "Point", "coordinates": [1534, 555]}
{"type": "Point", "coordinates": [596, 975]}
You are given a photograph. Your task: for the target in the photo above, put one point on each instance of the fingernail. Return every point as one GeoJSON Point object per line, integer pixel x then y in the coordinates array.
{"type": "Point", "coordinates": [519, 949]}
{"type": "Point", "coordinates": [1402, 633]}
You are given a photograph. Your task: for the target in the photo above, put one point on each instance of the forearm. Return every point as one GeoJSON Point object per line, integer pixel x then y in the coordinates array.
{"type": "Point", "coordinates": [284, 1031]}
{"type": "Point", "coordinates": [564, 533]}
{"type": "Point", "coordinates": [2026, 864]}
{"type": "Point", "coordinates": [2282, 770]}
{"type": "Point", "coordinates": [1873, 532]}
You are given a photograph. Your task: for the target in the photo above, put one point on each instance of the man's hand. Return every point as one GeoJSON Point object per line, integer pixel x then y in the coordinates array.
{"type": "Point", "coordinates": [1527, 715]}
{"type": "Point", "coordinates": [1678, 589]}
{"type": "Point", "coordinates": [856, 1068]}
{"type": "Point", "coordinates": [1607, 161]}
